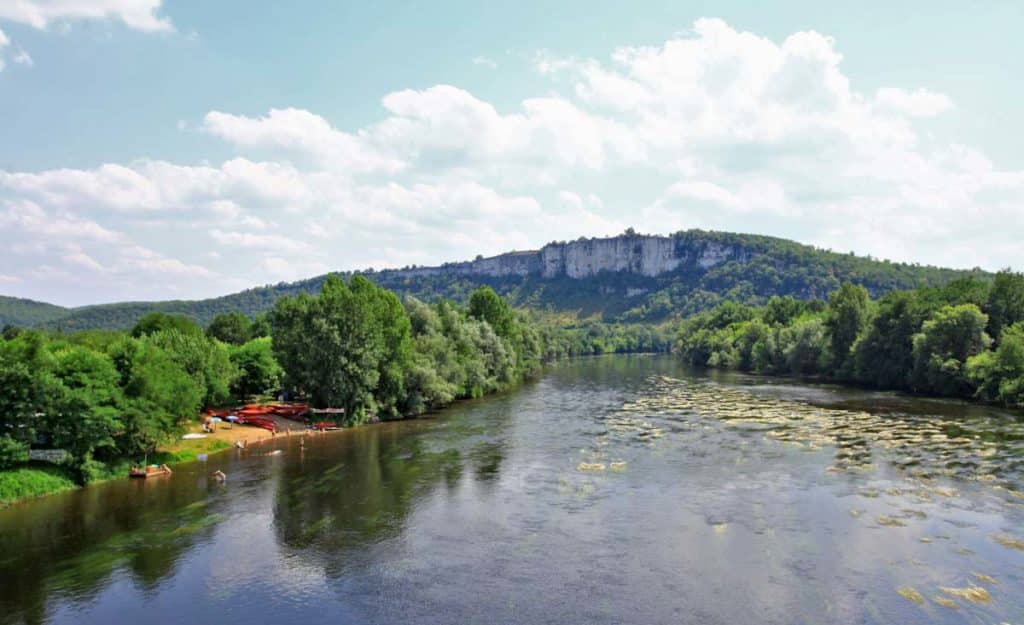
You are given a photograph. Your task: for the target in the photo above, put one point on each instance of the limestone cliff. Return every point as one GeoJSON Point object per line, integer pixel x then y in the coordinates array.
{"type": "Point", "coordinates": [632, 253]}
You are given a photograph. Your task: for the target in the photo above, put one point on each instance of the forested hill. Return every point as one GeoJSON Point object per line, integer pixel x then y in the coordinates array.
{"type": "Point", "coordinates": [628, 278]}
{"type": "Point", "coordinates": [27, 312]}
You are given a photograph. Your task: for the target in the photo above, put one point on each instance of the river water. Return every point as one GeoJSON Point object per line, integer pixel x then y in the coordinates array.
{"type": "Point", "coordinates": [619, 489]}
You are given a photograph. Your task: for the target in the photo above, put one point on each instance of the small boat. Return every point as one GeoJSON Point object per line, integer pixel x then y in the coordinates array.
{"type": "Point", "coordinates": [149, 471]}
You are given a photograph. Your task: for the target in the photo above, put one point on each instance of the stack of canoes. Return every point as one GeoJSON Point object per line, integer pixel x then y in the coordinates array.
{"type": "Point", "coordinates": [261, 415]}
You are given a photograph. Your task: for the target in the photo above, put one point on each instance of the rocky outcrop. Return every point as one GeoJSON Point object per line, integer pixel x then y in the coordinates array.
{"type": "Point", "coordinates": [632, 253]}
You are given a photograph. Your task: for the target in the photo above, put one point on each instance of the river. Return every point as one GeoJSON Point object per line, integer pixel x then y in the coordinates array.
{"type": "Point", "coordinates": [620, 489]}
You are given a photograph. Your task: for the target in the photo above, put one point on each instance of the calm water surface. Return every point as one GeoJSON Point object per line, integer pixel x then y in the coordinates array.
{"type": "Point", "coordinates": [613, 490]}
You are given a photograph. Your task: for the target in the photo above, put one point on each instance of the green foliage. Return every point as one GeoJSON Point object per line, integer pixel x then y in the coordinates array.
{"type": "Point", "coordinates": [12, 452]}
{"type": "Point", "coordinates": [15, 311]}
{"type": "Point", "coordinates": [155, 322]}
{"type": "Point", "coordinates": [941, 349]}
{"type": "Point", "coordinates": [233, 328]}
{"type": "Point", "coordinates": [929, 340]}
{"type": "Point", "coordinates": [847, 316]}
{"type": "Point", "coordinates": [33, 481]}
{"type": "Point", "coordinates": [104, 396]}
{"type": "Point", "coordinates": [999, 374]}
{"type": "Point", "coordinates": [1005, 305]}
{"type": "Point", "coordinates": [258, 371]}
{"type": "Point", "coordinates": [205, 360]}
{"type": "Point", "coordinates": [883, 356]}
{"type": "Point", "coordinates": [486, 305]}
{"type": "Point", "coordinates": [347, 347]}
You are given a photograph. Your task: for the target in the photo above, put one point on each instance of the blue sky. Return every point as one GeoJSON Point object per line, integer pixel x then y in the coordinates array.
{"type": "Point", "coordinates": [184, 149]}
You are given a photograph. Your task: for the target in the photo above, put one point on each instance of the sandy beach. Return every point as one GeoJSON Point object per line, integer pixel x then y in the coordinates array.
{"type": "Point", "coordinates": [231, 433]}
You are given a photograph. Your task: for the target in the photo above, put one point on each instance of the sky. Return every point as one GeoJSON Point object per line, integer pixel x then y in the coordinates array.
{"type": "Point", "coordinates": [166, 149]}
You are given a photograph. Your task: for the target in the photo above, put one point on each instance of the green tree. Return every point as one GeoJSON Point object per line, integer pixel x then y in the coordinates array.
{"type": "Point", "coordinates": [205, 360]}
{"type": "Point", "coordinates": [884, 355]}
{"type": "Point", "coordinates": [999, 375]}
{"type": "Point", "coordinates": [346, 347]}
{"type": "Point", "coordinates": [846, 317]}
{"type": "Point", "coordinates": [158, 322]}
{"type": "Point", "coordinates": [233, 328]}
{"type": "Point", "coordinates": [160, 394]}
{"type": "Point", "coordinates": [805, 347]}
{"type": "Point", "coordinates": [259, 372]}
{"type": "Point", "coordinates": [86, 416]}
{"type": "Point", "coordinates": [946, 341]}
{"type": "Point", "coordinates": [486, 305]}
{"type": "Point", "coordinates": [1005, 304]}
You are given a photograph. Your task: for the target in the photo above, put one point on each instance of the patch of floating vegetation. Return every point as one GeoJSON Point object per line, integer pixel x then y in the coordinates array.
{"type": "Point", "coordinates": [911, 594]}
{"type": "Point", "coordinates": [927, 447]}
{"type": "Point", "coordinates": [618, 466]}
{"type": "Point", "coordinates": [974, 594]}
{"type": "Point", "coordinates": [1010, 542]}
{"type": "Point", "coordinates": [985, 579]}
{"type": "Point", "coordinates": [590, 466]}
{"type": "Point", "coordinates": [889, 521]}
{"type": "Point", "coordinates": [945, 602]}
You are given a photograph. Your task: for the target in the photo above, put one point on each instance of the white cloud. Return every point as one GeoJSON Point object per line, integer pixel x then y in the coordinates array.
{"type": "Point", "coordinates": [136, 14]}
{"type": "Point", "coordinates": [22, 58]}
{"type": "Point", "coordinates": [284, 269]}
{"type": "Point", "coordinates": [714, 128]}
{"type": "Point", "coordinates": [917, 103]}
{"type": "Point", "coordinates": [248, 240]}
{"type": "Point", "coordinates": [301, 133]}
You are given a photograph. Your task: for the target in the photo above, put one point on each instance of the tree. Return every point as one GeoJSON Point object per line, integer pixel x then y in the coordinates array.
{"type": "Point", "coordinates": [157, 322]}
{"type": "Point", "coordinates": [884, 354]}
{"type": "Point", "coordinates": [999, 375]}
{"type": "Point", "coordinates": [486, 305]}
{"type": "Point", "coordinates": [159, 394]}
{"type": "Point", "coordinates": [946, 341]}
{"type": "Point", "coordinates": [28, 386]}
{"type": "Point", "coordinates": [259, 372]}
{"type": "Point", "coordinates": [347, 347]}
{"type": "Point", "coordinates": [846, 317]}
{"type": "Point", "coordinates": [86, 415]}
{"type": "Point", "coordinates": [204, 359]}
{"type": "Point", "coordinates": [260, 326]}
{"type": "Point", "coordinates": [805, 347]}
{"type": "Point", "coordinates": [233, 328]}
{"type": "Point", "coordinates": [1005, 304]}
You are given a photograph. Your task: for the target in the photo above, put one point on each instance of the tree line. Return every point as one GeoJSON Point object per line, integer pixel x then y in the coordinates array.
{"type": "Point", "coordinates": [106, 395]}
{"type": "Point", "coordinates": [965, 339]}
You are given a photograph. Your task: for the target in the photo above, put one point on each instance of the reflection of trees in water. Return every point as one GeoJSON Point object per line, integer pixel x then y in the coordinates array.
{"type": "Point", "coordinates": [373, 477]}
{"type": "Point", "coordinates": [362, 493]}
{"type": "Point", "coordinates": [70, 546]}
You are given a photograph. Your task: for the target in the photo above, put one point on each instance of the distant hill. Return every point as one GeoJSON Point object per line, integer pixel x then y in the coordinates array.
{"type": "Point", "coordinates": [629, 277]}
{"type": "Point", "coordinates": [27, 312]}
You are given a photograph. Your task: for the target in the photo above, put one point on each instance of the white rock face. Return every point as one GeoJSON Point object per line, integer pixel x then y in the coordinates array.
{"type": "Point", "coordinates": [644, 255]}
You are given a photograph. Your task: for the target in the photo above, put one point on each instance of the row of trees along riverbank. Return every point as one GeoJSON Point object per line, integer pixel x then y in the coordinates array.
{"type": "Point", "coordinates": [106, 397]}
{"type": "Point", "coordinates": [962, 340]}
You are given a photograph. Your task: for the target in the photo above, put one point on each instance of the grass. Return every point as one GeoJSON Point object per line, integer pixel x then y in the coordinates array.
{"type": "Point", "coordinates": [39, 478]}
{"type": "Point", "coordinates": [34, 480]}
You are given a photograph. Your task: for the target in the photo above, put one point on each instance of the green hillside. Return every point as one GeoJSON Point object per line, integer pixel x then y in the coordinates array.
{"type": "Point", "coordinates": [25, 312]}
{"type": "Point", "coordinates": [761, 267]}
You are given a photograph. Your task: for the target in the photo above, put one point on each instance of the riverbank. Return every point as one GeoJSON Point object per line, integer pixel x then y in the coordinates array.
{"type": "Point", "coordinates": [39, 479]}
